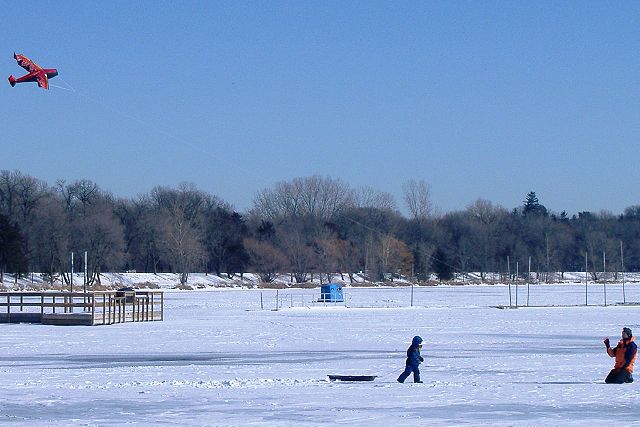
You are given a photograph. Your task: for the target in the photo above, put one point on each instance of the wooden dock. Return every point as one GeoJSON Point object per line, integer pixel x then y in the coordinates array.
{"type": "Point", "coordinates": [81, 308]}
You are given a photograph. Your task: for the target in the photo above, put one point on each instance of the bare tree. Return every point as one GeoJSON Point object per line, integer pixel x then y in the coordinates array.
{"type": "Point", "coordinates": [99, 232]}
{"type": "Point", "coordinates": [367, 197]}
{"type": "Point", "coordinates": [51, 238]}
{"type": "Point", "coordinates": [140, 219]}
{"type": "Point", "coordinates": [9, 183]}
{"type": "Point", "coordinates": [417, 196]}
{"type": "Point", "coordinates": [330, 255]}
{"type": "Point", "coordinates": [20, 198]}
{"type": "Point", "coordinates": [486, 225]}
{"type": "Point", "coordinates": [295, 244]}
{"type": "Point", "coordinates": [395, 257]}
{"type": "Point", "coordinates": [79, 194]}
{"type": "Point", "coordinates": [312, 196]}
{"type": "Point", "coordinates": [349, 258]}
{"type": "Point", "coordinates": [266, 259]}
{"type": "Point", "coordinates": [180, 227]}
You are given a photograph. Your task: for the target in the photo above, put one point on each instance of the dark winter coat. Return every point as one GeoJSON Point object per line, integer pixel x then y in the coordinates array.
{"type": "Point", "coordinates": [413, 352]}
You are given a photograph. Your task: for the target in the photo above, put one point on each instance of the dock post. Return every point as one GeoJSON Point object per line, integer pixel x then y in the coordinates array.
{"type": "Point", "coordinates": [93, 309]}
{"type": "Point", "coordinates": [109, 305]}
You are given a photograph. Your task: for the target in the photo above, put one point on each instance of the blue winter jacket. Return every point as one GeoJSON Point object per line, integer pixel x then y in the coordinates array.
{"type": "Point", "coordinates": [413, 352]}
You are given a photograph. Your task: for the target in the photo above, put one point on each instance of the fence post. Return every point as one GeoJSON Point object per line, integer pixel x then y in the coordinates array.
{"type": "Point", "coordinates": [93, 309]}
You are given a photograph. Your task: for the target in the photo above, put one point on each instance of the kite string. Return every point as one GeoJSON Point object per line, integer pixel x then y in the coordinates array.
{"type": "Point", "coordinates": [132, 118]}
{"type": "Point", "coordinates": [61, 87]}
{"type": "Point", "coordinates": [146, 124]}
{"type": "Point", "coordinates": [68, 86]}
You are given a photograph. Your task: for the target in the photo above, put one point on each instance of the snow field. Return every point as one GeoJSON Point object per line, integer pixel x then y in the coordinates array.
{"type": "Point", "coordinates": [217, 359]}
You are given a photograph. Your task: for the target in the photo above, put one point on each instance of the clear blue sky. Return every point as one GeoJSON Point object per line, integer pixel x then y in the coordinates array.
{"type": "Point", "coordinates": [480, 99]}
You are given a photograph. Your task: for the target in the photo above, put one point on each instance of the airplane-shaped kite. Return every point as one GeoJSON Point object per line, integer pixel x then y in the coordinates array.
{"type": "Point", "coordinates": [36, 72]}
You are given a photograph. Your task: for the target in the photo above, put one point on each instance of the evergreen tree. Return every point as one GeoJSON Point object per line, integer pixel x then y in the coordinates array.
{"type": "Point", "coordinates": [12, 257]}
{"type": "Point", "coordinates": [225, 231]}
{"type": "Point", "coordinates": [441, 265]}
{"type": "Point", "coordinates": [533, 206]}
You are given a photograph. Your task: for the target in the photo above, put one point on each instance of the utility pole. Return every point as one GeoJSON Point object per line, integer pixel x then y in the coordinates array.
{"type": "Point", "coordinates": [411, 293]}
{"type": "Point", "coordinates": [624, 298]}
{"type": "Point", "coordinates": [509, 278]}
{"type": "Point", "coordinates": [604, 275]}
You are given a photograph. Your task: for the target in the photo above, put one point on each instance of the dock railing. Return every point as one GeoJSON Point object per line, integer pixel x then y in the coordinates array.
{"type": "Point", "coordinates": [93, 308]}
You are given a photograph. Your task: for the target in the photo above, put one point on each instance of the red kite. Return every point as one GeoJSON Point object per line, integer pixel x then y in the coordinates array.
{"type": "Point", "coordinates": [36, 72]}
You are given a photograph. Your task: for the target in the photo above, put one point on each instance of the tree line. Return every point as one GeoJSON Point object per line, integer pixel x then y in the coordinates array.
{"type": "Point", "coordinates": [307, 227]}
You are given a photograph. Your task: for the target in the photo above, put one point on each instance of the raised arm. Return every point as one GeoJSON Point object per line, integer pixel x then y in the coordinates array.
{"type": "Point", "coordinates": [610, 351]}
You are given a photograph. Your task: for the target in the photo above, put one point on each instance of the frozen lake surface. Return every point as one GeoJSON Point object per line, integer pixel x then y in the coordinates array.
{"type": "Point", "coordinates": [219, 359]}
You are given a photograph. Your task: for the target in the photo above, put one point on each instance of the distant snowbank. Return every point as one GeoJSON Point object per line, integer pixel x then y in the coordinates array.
{"type": "Point", "coordinates": [202, 281]}
{"type": "Point", "coordinates": [195, 281]}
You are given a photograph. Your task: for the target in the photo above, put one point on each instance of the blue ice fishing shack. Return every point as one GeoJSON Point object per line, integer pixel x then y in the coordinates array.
{"type": "Point", "coordinates": [331, 292]}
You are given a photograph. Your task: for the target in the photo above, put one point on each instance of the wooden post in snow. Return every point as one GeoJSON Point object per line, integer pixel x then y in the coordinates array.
{"type": "Point", "coordinates": [586, 279]}
{"type": "Point", "coordinates": [528, 280]}
{"type": "Point", "coordinates": [509, 278]}
{"type": "Point", "coordinates": [517, 283]}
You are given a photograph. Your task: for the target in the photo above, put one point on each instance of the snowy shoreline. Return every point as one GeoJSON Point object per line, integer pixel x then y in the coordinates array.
{"type": "Point", "coordinates": [202, 281]}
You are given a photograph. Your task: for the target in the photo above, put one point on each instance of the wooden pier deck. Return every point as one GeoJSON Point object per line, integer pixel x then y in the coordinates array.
{"type": "Point", "coordinates": [80, 308]}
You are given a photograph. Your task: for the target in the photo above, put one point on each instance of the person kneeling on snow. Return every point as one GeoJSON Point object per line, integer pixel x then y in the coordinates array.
{"type": "Point", "coordinates": [625, 353]}
{"type": "Point", "coordinates": [413, 361]}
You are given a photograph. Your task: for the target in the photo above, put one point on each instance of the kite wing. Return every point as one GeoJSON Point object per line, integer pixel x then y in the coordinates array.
{"type": "Point", "coordinates": [43, 81]}
{"type": "Point", "coordinates": [28, 65]}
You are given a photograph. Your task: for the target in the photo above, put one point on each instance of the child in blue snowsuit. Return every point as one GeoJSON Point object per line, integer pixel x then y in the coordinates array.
{"type": "Point", "coordinates": [413, 361]}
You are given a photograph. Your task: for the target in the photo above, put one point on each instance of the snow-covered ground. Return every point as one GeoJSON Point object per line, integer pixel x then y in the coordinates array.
{"type": "Point", "coordinates": [219, 359]}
